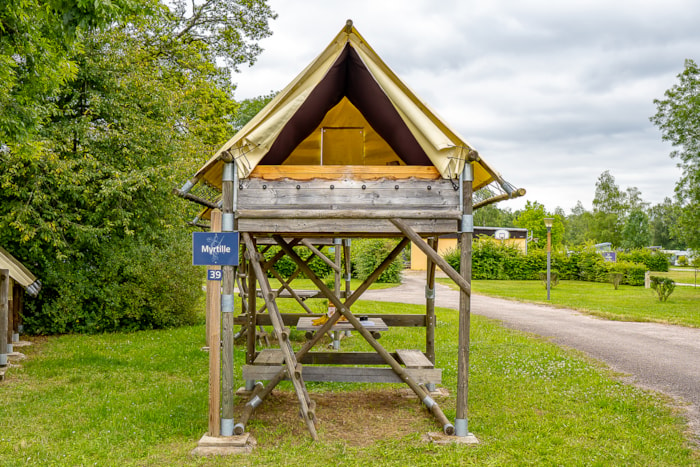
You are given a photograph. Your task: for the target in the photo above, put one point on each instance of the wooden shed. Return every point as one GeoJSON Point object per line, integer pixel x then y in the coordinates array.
{"type": "Point", "coordinates": [15, 279]}
{"type": "Point", "coordinates": [345, 151]}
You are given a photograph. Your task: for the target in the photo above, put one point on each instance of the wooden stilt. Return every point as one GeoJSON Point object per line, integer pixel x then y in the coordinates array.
{"type": "Point", "coordinates": [430, 304]}
{"type": "Point", "coordinates": [4, 309]}
{"type": "Point", "coordinates": [465, 241]}
{"type": "Point", "coordinates": [214, 341]}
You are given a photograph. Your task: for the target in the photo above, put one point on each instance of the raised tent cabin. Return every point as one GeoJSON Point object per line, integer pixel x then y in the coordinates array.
{"type": "Point", "coordinates": [345, 151]}
{"type": "Point", "coordinates": [15, 279]}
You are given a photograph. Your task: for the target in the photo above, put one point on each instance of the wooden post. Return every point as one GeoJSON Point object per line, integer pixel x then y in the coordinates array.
{"type": "Point", "coordinates": [10, 314]}
{"type": "Point", "coordinates": [465, 243]}
{"type": "Point", "coordinates": [17, 303]}
{"type": "Point", "coordinates": [348, 272]}
{"type": "Point", "coordinates": [4, 298]}
{"type": "Point", "coordinates": [252, 316]}
{"type": "Point", "coordinates": [227, 301]}
{"type": "Point", "coordinates": [214, 341]}
{"type": "Point", "coordinates": [430, 304]}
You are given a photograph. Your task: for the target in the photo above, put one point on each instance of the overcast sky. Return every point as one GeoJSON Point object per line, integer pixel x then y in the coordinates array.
{"type": "Point", "coordinates": [551, 93]}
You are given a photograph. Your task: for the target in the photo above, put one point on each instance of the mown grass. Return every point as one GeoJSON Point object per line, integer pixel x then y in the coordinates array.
{"type": "Point", "coordinates": [628, 303]}
{"type": "Point", "coordinates": [681, 275]}
{"type": "Point", "coordinates": [141, 399]}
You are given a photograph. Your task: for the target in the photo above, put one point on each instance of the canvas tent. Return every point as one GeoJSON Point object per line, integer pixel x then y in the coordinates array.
{"type": "Point", "coordinates": [348, 108]}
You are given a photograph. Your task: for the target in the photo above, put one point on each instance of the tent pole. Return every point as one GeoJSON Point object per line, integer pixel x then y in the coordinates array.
{"type": "Point", "coordinates": [227, 302]}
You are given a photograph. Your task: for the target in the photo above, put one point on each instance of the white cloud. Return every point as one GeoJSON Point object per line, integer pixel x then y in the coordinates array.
{"type": "Point", "coordinates": [550, 93]}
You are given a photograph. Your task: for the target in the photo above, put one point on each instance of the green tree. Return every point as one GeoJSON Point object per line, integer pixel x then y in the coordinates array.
{"type": "Point", "coordinates": [609, 208]}
{"type": "Point", "coordinates": [636, 232]}
{"type": "Point", "coordinates": [249, 108]}
{"type": "Point", "coordinates": [36, 40]}
{"type": "Point", "coordinates": [663, 224]}
{"type": "Point", "coordinates": [89, 204]}
{"type": "Point", "coordinates": [578, 226]}
{"type": "Point", "coordinates": [490, 215]}
{"type": "Point", "coordinates": [678, 118]}
{"type": "Point", "coordinates": [532, 219]}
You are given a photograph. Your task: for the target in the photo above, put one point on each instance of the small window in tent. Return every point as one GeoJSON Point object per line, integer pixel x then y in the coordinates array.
{"type": "Point", "coordinates": [342, 146]}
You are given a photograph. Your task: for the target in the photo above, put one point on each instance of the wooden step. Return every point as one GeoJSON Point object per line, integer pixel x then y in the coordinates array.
{"type": "Point", "coordinates": [342, 374]}
{"type": "Point", "coordinates": [413, 358]}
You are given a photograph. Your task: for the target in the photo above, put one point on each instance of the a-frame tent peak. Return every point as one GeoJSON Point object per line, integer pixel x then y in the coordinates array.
{"type": "Point", "coordinates": [409, 127]}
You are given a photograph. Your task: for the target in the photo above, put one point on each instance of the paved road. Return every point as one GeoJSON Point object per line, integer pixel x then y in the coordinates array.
{"type": "Point", "coordinates": [656, 356]}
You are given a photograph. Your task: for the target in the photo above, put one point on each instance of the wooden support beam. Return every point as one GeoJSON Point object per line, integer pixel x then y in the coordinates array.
{"type": "Point", "coordinates": [292, 369]}
{"type": "Point", "coordinates": [320, 254]}
{"type": "Point", "coordinates": [430, 303]}
{"type": "Point", "coordinates": [432, 254]}
{"type": "Point", "coordinates": [227, 290]}
{"type": "Point", "coordinates": [274, 381]}
{"type": "Point", "coordinates": [345, 310]}
{"type": "Point", "coordinates": [465, 243]}
{"type": "Point", "coordinates": [346, 214]}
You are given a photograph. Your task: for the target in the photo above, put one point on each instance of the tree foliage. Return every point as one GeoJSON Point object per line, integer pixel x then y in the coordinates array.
{"type": "Point", "coordinates": [532, 219]}
{"type": "Point", "coordinates": [678, 118]}
{"type": "Point", "coordinates": [86, 194]}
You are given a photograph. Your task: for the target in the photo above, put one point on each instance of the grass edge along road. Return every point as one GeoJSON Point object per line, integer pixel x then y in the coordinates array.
{"type": "Point", "coordinates": [141, 399]}
{"type": "Point", "coordinates": [627, 303]}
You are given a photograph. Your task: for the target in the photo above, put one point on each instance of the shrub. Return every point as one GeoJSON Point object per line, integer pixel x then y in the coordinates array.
{"type": "Point", "coordinates": [131, 286]}
{"type": "Point", "coordinates": [367, 254]}
{"type": "Point", "coordinates": [491, 260]}
{"type": "Point", "coordinates": [653, 260]}
{"type": "Point", "coordinates": [285, 266]}
{"type": "Point", "coordinates": [663, 286]}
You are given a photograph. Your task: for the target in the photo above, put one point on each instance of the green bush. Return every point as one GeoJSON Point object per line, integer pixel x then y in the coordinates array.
{"type": "Point", "coordinates": [492, 260]}
{"type": "Point", "coordinates": [285, 266]}
{"type": "Point", "coordinates": [367, 254]}
{"type": "Point", "coordinates": [130, 286]}
{"type": "Point", "coordinates": [653, 260]}
{"type": "Point", "coordinates": [663, 286]}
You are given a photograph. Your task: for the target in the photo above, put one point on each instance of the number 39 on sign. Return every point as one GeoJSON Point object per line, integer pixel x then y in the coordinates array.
{"type": "Point", "coordinates": [214, 274]}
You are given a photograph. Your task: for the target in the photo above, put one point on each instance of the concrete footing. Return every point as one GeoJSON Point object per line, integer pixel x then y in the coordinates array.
{"type": "Point", "coordinates": [224, 445]}
{"type": "Point", "coordinates": [442, 439]}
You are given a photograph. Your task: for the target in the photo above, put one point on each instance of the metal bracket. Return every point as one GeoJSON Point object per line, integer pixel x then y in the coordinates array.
{"type": "Point", "coordinates": [227, 303]}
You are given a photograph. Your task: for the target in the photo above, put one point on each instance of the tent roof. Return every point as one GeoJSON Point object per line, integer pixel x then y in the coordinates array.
{"type": "Point", "coordinates": [19, 273]}
{"type": "Point", "coordinates": [347, 68]}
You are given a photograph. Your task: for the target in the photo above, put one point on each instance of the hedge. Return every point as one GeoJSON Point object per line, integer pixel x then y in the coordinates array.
{"type": "Point", "coordinates": [365, 256]}
{"type": "Point", "coordinates": [491, 260]}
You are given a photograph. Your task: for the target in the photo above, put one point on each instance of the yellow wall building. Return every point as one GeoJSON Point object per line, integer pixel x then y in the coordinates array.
{"type": "Point", "coordinates": [510, 236]}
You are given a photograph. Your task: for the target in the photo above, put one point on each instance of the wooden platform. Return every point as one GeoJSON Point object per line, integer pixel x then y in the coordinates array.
{"type": "Point", "coordinates": [372, 324]}
{"type": "Point", "coordinates": [315, 367]}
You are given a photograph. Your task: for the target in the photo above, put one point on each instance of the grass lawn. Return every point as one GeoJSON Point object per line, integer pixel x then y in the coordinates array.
{"type": "Point", "coordinates": [141, 399]}
{"type": "Point", "coordinates": [681, 275]}
{"type": "Point", "coordinates": [625, 304]}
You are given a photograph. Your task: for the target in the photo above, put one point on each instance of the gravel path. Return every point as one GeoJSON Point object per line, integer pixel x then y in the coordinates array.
{"type": "Point", "coordinates": [660, 357]}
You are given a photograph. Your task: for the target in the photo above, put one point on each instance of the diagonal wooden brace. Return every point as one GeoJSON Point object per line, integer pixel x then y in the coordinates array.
{"type": "Point", "coordinates": [277, 323]}
{"type": "Point", "coordinates": [391, 361]}
{"type": "Point", "coordinates": [326, 327]}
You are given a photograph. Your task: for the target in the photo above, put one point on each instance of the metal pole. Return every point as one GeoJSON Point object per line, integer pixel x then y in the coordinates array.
{"type": "Point", "coordinates": [549, 260]}
{"type": "Point", "coordinates": [227, 301]}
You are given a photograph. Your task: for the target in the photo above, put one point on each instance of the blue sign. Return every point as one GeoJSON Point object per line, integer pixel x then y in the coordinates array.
{"type": "Point", "coordinates": [609, 256]}
{"type": "Point", "coordinates": [215, 248]}
{"type": "Point", "coordinates": [214, 274]}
